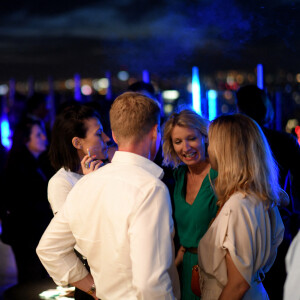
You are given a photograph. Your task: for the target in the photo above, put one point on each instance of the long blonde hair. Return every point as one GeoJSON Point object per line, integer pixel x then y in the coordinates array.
{"type": "Point", "coordinates": [244, 159]}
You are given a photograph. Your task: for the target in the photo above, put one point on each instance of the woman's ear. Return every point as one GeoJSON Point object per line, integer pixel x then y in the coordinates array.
{"type": "Point", "coordinates": [76, 142]}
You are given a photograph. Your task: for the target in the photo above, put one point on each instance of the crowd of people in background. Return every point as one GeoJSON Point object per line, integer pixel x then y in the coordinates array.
{"type": "Point", "coordinates": [132, 200]}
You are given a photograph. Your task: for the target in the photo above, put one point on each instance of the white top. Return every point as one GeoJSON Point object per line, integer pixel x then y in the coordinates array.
{"type": "Point", "coordinates": [292, 263]}
{"type": "Point", "coordinates": [251, 234]}
{"type": "Point", "coordinates": [120, 217]}
{"type": "Point", "coordinates": [59, 186]}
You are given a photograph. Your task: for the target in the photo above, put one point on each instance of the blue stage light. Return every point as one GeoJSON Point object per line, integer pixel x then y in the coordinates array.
{"type": "Point", "coordinates": [260, 76]}
{"type": "Point", "coordinates": [5, 133]}
{"type": "Point", "coordinates": [212, 104]}
{"type": "Point", "coordinates": [196, 91]}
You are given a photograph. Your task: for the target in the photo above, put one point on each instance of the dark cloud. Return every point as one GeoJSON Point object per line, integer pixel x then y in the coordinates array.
{"type": "Point", "coordinates": [63, 37]}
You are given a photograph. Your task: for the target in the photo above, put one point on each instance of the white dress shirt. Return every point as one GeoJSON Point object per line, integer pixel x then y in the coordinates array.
{"type": "Point", "coordinates": [120, 217]}
{"type": "Point", "coordinates": [251, 234]}
{"type": "Point", "coordinates": [59, 186]}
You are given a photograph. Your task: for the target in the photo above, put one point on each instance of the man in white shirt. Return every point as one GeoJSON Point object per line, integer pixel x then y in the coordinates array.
{"type": "Point", "coordinates": [119, 216]}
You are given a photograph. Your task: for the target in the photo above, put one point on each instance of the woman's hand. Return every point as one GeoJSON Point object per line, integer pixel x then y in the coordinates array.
{"type": "Point", "coordinates": [89, 164]}
{"type": "Point", "coordinates": [179, 256]}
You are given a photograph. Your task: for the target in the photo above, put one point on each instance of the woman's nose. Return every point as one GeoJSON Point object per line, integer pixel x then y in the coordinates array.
{"type": "Point", "coordinates": [105, 137]}
{"type": "Point", "coordinates": [186, 145]}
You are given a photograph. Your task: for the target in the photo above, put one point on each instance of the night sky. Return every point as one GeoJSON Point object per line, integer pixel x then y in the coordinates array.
{"type": "Point", "coordinates": [167, 37]}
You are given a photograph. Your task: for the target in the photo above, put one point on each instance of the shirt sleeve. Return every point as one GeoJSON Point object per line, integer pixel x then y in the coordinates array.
{"type": "Point", "coordinates": [58, 190]}
{"type": "Point", "coordinates": [150, 233]}
{"type": "Point", "coordinates": [56, 251]}
{"type": "Point", "coordinates": [239, 241]}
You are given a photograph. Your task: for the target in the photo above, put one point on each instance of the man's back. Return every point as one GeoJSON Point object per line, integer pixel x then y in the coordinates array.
{"type": "Point", "coordinates": [116, 215]}
{"type": "Point", "coordinates": [120, 217]}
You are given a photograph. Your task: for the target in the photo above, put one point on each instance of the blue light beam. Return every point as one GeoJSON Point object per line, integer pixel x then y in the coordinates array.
{"type": "Point", "coordinates": [5, 133]}
{"type": "Point", "coordinates": [196, 91]}
{"type": "Point", "coordinates": [146, 76]}
{"type": "Point", "coordinates": [212, 104]}
{"type": "Point", "coordinates": [260, 76]}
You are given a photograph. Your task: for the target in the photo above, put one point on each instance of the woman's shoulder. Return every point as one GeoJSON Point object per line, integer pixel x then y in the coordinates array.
{"type": "Point", "coordinates": [64, 175]}
{"type": "Point", "coordinates": [240, 201]}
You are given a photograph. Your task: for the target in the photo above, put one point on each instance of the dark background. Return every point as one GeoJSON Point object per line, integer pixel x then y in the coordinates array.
{"type": "Point", "coordinates": [166, 37]}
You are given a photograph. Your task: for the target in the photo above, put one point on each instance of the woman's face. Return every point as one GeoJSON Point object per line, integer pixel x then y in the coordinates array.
{"type": "Point", "coordinates": [95, 139]}
{"type": "Point", "coordinates": [189, 144]}
{"type": "Point", "coordinates": [37, 143]}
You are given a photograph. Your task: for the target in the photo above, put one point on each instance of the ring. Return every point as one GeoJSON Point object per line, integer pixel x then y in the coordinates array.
{"type": "Point", "coordinates": [87, 165]}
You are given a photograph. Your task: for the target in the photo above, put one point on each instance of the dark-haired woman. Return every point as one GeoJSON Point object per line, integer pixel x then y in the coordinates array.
{"type": "Point", "coordinates": [25, 211]}
{"type": "Point", "coordinates": [78, 147]}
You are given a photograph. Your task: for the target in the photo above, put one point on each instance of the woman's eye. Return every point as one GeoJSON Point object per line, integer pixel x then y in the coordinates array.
{"type": "Point", "coordinates": [192, 138]}
{"type": "Point", "coordinates": [176, 142]}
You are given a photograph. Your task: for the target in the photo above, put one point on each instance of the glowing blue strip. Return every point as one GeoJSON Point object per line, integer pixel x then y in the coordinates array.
{"type": "Point", "coordinates": [260, 76]}
{"type": "Point", "coordinates": [77, 87]}
{"type": "Point", "coordinates": [5, 133]}
{"type": "Point", "coordinates": [212, 104]}
{"type": "Point", "coordinates": [146, 76]}
{"type": "Point", "coordinates": [196, 91]}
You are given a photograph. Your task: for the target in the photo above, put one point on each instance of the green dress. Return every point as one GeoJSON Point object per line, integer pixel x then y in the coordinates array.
{"type": "Point", "coordinates": [192, 222]}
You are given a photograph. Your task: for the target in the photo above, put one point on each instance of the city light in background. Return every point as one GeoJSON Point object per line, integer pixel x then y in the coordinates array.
{"type": "Point", "coordinates": [196, 91]}
{"type": "Point", "coordinates": [218, 90]}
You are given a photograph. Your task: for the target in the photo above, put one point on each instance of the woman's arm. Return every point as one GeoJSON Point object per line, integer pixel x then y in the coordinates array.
{"type": "Point", "coordinates": [179, 256]}
{"type": "Point", "coordinates": [236, 285]}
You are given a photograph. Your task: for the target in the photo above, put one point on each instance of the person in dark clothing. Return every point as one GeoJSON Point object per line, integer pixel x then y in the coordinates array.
{"type": "Point", "coordinates": [255, 103]}
{"type": "Point", "coordinates": [25, 211]}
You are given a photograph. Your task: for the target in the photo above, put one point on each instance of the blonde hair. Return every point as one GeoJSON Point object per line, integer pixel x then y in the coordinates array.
{"type": "Point", "coordinates": [186, 118]}
{"type": "Point", "coordinates": [132, 115]}
{"type": "Point", "coordinates": [244, 159]}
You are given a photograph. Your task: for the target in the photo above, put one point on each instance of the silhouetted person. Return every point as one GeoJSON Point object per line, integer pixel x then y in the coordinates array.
{"type": "Point", "coordinates": [25, 211]}
{"type": "Point", "coordinates": [255, 103]}
{"type": "Point", "coordinates": [144, 88]}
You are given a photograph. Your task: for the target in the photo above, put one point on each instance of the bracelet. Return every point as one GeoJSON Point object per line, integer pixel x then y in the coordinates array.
{"type": "Point", "coordinates": [92, 289]}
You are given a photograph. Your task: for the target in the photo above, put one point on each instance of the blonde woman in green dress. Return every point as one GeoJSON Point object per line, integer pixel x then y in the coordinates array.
{"type": "Point", "coordinates": [184, 139]}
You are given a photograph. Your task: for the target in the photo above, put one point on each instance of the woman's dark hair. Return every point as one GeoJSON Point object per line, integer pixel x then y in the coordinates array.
{"type": "Point", "coordinates": [22, 132]}
{"type": "Point", "coordinates": [69, 123]}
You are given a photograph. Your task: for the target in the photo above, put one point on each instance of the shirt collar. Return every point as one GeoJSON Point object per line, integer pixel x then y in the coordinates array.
{"type": "Point", "coordinates": [138, 160]}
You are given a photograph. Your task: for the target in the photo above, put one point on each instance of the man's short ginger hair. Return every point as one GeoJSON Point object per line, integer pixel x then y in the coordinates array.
{"type": "Point", "coordinates": [132, 116]}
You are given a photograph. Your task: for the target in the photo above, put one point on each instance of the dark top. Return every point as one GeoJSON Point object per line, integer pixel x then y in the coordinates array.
{"type": "Point", "coordinates": [25, 210]}
{"type": "Point", "coordinates": [286, 151]}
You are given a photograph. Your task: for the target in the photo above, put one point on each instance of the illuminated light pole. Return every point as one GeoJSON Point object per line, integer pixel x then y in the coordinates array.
{"type": "Point", "coordinates": [11, 92]}
{"type": "Point", "coordinates": [77, 87]}
{"type": "Point", "coordinates": [5, 128]}
{"type": "Point", "coordinates": [51, 100]}
{"type": "Point", "coordinates": [30, 86]}
{"type": "Point", "coordinates": [196, 91]}
{"type": "Point", "coordinates": [146, 76]}
{"type": "Point", "coordinates": [260, 76]}
{"type": "Point", "coordinates": [109, 87]}
{"type": "Point", "coordinates": [212, 104]}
